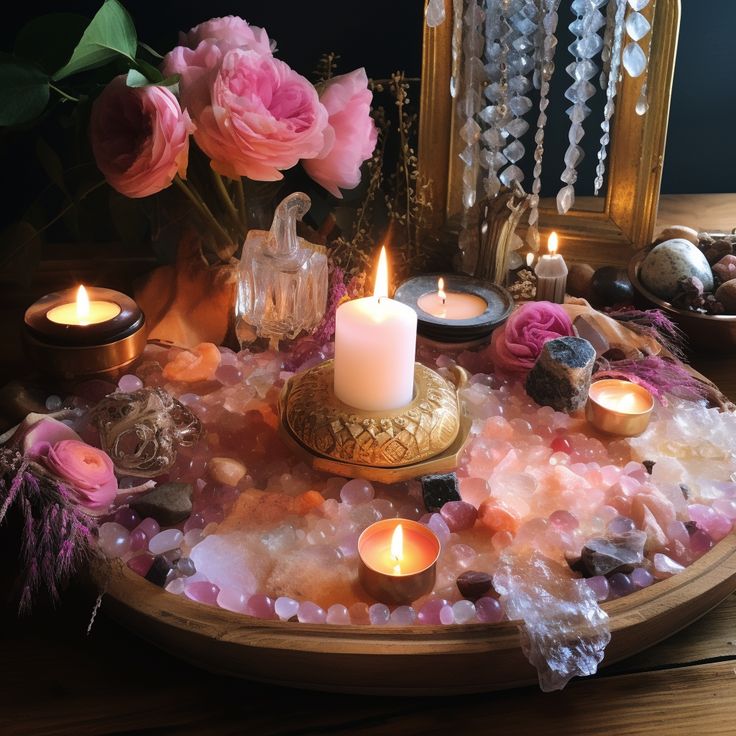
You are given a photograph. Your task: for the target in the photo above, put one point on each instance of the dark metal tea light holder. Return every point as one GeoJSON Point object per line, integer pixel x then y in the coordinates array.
{"type": "Point", "coordinates": [456, 332]}
{"type": "Point", "coordinates": [71, 353]}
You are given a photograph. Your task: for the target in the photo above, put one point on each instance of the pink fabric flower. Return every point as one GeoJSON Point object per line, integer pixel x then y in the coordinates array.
{"type": "Point", "coordinates": [516, 346]}
{"type": "Point", "coordinates": [89, 472]}
{"type": "Point", "coordinates": [352, 135]}
{"type": "Point", "coordinates": [38, 431]}
{"type": "Point", "coordinates": [254, 114]}
{"type": "Point", "coordinates": [140, 137]}
{"type": "Point", "coordinates": [228, 33]}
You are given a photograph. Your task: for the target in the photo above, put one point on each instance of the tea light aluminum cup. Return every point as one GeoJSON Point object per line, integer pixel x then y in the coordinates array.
{"type": "Point", "coordinates": [392, 587]}
{"type": "Point", "coordinates": [612, 419]}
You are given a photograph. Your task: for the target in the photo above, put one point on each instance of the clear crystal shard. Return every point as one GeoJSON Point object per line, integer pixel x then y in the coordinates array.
{"type": "Point", "coordinates": [637, 26]}
{"type": "Point", "coordinates": [435, 14]}
{"type": "Point", "coordinates": [638, 5]}
{"type": "Point", "coordinates": [512, 174]}
{"type": "Point", "coordinates": [492, 138]}
{"type": "Point", "coordinates": [565, 199]}
{"type": "Point", "coordinates": [517, 127]}
{"type": "Point", "coordinates": [573, 156]}
{"type": "Point", "coordinates": [514, 151]}
{"type": "Point", "coordinates": [520, 105]}
{"type": "Point", "coordinates": [470, 132]}
{"type": "Point", "coordinates": [634, 60]}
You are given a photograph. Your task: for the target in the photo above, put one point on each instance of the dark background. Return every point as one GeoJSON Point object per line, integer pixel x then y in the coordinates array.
{"type": "Point", "coordinates": [385, 35]}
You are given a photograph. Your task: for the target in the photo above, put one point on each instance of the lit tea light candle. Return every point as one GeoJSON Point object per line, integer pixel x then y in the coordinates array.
{"type": "Point", "coordinates": [375, 345]}
{"type": "Point", "coordinates": [84, 332]}
{"type": "Point", "coordinates": [551, 274]}
{"type": "Point", "coordinates": [82, 311]}
{"type": "Point", "coordinates": [398, 559]}
{"type": "Point", "coordinates": [619, 407]}
{"type": "Point", "coordinates": [452, 304]}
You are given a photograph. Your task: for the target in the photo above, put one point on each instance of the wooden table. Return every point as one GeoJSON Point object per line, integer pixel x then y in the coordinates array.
{"type": "Point", "coordinates": [56, 680]}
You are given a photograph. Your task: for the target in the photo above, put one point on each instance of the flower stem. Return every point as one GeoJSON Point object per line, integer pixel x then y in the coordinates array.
{"type": "Point", "coordinates": [62, 94]}
{"type": "Point", "coordinates": [240, 197]}
{"type": "Point", "coordinates": [206, 215]}
{"type": "Point", "coordinates": [225, 197]}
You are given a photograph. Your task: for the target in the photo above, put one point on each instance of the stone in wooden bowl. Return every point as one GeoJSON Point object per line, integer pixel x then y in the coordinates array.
{"type": "Point", "coordinates": [705, 332]}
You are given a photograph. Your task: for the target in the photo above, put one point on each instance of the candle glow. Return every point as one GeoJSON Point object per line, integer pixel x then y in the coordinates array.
{"type": "Point", "coordinates": [380, 288]}
{"type": "Point", "coordinates": [529, 260]}
{"type": "Point", "coordinates": [619, 407]}
{"type": "Point", "coordinates": [82, 312]}
{"type": "Point", "coordinates": [441, 289]}
{"type": "Point", "coordinates": [552, 243]}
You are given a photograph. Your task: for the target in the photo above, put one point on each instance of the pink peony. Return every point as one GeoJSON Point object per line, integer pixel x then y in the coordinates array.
{"type": "Point", "coordinates": [352, 133]}
{"type": "Point", "coordinates": [140, 137]}
{"type": "Point", "coordinates": [516, 346]}
{"type": "Point", "coordinates": [254, 114]}
{"type": "Point", "coordinates": [89, 472]}
{"type": "Point", "coordinates": [228, 33]}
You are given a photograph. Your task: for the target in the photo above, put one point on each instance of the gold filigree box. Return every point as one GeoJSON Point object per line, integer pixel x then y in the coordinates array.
{"type": "Point", "coordinates": [426, 436]}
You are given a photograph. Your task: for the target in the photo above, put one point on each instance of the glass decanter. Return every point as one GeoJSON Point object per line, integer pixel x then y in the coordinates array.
{"type": "Point", "coordinates": [282, 279]}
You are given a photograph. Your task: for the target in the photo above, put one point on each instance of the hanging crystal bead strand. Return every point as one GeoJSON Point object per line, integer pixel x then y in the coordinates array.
{"type": "Point", "coordinates": [635, 60]}
{"type": "Point", "coordinates": [457, 46]}
{"type": "Point", "coordinates": [523, 25]}
{"type": "Point", "coordinates": [496, 113]}
{"type": "Point", "coordinates": [611, 88]}
{"type": "Point", "coordinates": [435, 13]}
{"type": "Point", "coordinates": [608, 43]}
{"type": "Point", "coordinates": [586, 45]}
{"type": "Point", "coordinates": [546, 69]}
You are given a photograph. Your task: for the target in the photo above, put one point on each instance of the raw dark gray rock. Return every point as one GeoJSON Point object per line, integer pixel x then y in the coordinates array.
{"type": "Point", "coordinates": [159, 572]}
{"type": "Point", "coordinates": [168, 503]}
{"type": "Point", "coordinates": [473, 584]}
{"type": "Point", "coordinates": [561, 376]}
{"type": "Point", "coordinates": [607, 555]}
{"type": "Point", "coordinates": [437, 490]}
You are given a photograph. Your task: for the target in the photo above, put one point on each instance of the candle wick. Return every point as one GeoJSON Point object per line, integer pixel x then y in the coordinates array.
{"type": "Point", "coordinates": [444, 299]}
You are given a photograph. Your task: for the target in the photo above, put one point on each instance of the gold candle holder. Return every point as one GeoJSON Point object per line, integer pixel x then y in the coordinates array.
{"type": "Point", "coordinates": [426, 436]}
{"type": "Point", "coordinates": [99, 349]}
{"type": "Point", "coordinates": [619, 407]}
{"type": "Point", "coordinates": [398, 568]}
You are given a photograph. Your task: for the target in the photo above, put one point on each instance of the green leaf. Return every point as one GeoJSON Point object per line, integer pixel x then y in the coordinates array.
{"type": "Point", "coordinates": [111, 33]}
{"type": "Point", "coordinates": [151, 73]}
{"type": "Point", "coordinates": [136, 79]}
{"type": "Point", "coordinates": [49, 40]}
{"type": "Point", "coordinates": [151, 51]}
{"type": "Point", "coordinates": [24, 92]}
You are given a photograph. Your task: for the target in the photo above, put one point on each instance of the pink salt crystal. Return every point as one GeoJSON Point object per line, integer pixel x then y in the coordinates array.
{"type": "Point", "coordinates": [447, 615]}
{"type": "Point", "coordinates": [228, 375]}
{"type": "Point", "coordinates": [129, 383]}
{"type": "Point", "coordinates": [459, 515]}
{"type": "Point", "coordinates": [501, 540]}
{"type": "Point", "coordinates": [559, 458]}
{"type": "Point", "coordinates": [403, 616]}
{"type": "Point", "coordinates": [461, 555]}
{"type": "Point", "coordinates": [561, 444]}
{"type": "Point", "coordinates": [438, 525]}
{"type": "Point", "coordinates": [311, 613]}
{"type": "Point", "coordinates": [212, 515]}
{"type": "Point", "coordinates": [498, 428]}
{"type": "Point", "coordinates": [563, 520]}
{"type": "Point", "coordinates": [379, 614]}
{"type": "Point", "coordinates": [357, 491]}
{"type": "Point", "coordinates": [676, 530]}
{"type": "Point", "coordinates": [202, 592]}
{"type": "Point", "coordinates": [599, 585]}
{"type": "Point", "coordinates": [140, 564]}
{"type": "Point", "coordinates": [429, 613]}
{"type": "Point", "coordinates": [359, 614]}
{"type": "Point", "coordinates": [338, 615]}
{"type": "Point", "coordinates": [488, 610]}
{"type": "Point", "coordinates": [641, 578]}
{"type": "Point", "coordinates": [260, 606]}
{"type": "Point", "coordinates": [666, 566]}
{"type": "Point", "coordinates": [149, 527]}
{"type": "Point", "coordinates": [610, 474]}
{"type": "Point", "coordinates": [709, 520]}
{"type": "Point", "coordinates": [473, 490]}
{"type": "Point", "coordinates": [232, 600]}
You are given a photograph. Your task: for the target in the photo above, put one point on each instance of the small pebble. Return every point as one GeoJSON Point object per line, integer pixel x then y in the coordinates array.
{"type": "Point", "coordinates": [459, 515]}
{"type": "Point", "coordinates": [202, 592]}
{"type": "Point", "coordinates": [232, 600]}
{"type": "Point", "coordinates": [403, 616]}
{"type": "Point", "coordinates": [338, 615]}
{"type": "Point", "coordinates": [463, 612]}
{"type": "Point", "coordinates": [165, 541]}
{"type": "Point", "coordinates": [159, 571]}
{"type": "Point", "coordinates": [356, 492]}
{"type": "Point", "coordinates": [311, 613]}
{"type": "Point", "coordinates": [286, 607]}
{"type": "Point", "coordinates": [488, 610]}
{"type": "Point", "coordinates": [437, 490]}
{"type": "Point", "coordinates": [54, 403]}
{"type": "Point", "coordinates": [474, 584]}
{"type": "Point", "coordinates": [379, 614]}
{"type": "Point", "coordinates": [261, 606]}
{"type": "Point", "coordinates": [226, 470]}
{"type": "Point", "coordinates": [129, 383]}
{"type": "Point", "coordinates": [113, 540]}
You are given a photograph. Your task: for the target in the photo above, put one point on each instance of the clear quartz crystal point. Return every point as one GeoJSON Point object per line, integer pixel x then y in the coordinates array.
{"type": "Point", "coordinates": [435, 14]}
{"type": "Point", "coordinates": [642, 104]}
{"type": "Point", "coordinates": [282, 279]}
{"type": "Point", "coordinates": [634, 60]}
{"type": "Point", "coordinates": [637, 26]}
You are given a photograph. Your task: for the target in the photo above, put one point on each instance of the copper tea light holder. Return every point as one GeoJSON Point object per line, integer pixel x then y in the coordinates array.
{"type": "Point", "coordinates": [426, 436]}
{"type": "Point", "coordinates": [610, 420]}
{"type": "Point", "coordinates": [446, 332]}
{"type": "Point", "coordinates": [73, 352]}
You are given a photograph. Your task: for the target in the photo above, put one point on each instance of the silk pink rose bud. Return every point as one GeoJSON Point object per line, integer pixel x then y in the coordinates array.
{"type": "Point", "coordinates": [254, 115]}
{"type": "Point", "coordinates": [87, 471]}
{"type": "Point", "coordinates": [228, 33]}
{"type": "Point", "coordinates": [140, 137]}
{"type": "Point", "coordinates": [353, 134]}
{"type": "Point", "coordinates": [516, 346]}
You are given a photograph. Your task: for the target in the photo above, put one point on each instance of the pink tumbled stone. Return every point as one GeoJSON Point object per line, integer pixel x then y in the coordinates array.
{"type": "Point", "coordinates": [232, 600]}
{"type": "Point", "coordinates": [138, 540]}
{"type": "Point", "coordinates": [641, 578]}
{"type": "Point", "coordinates": [563, 520]}
{"type": "Point", "coordinates": [113, 540]}
{"type": "Point", "coordinates": [447, 616]}
{"type": "Point", "coordinates": [311, 613]}
{"type": "Point", "coordinates": [228, 375]}
{"type": "Point", "coordinates": [599, 585]}
{"type": "Point", "coordinates": [403, 616]}
{"type": "Point", "coordinates": [195, 521]}
{"type": "Point", "coordinates": [149, 527]}
{"type": "Point", "coordinates": [463, 611]}
{"type": "Point", "coordinates": [429, 613]}
{"type": "Point", "coordinates": [726, 506]}
{"type": "Point", "coordinates": [459, 515]}
{"type": "Point", "coordinates": [488, 610]}
{"type": "Point", "coordinates": [359, 613]}
{"type": "Point", "coordinates": [140, 564]}
{"type": "Point", "coordinates": [202, 592]}
{"type": "Point", "coordinates": [439, 526]}
{"type": "Point", "coordinates": [285, 607]}
{"type": "Point", "coordinates": [127, 517]}
{"type": "Point", "coordinates": [379, 614]}
{"type": "Point", "coordinates": [357, 491]}
{"type": "Point", "coordinates": [338, 615]}
{"type": "Point", "coordinates": [700, 542]}
{"type": "Point", "coordinates": [129, 383]}
{"type": "Point", "coordinates": [260, 606]}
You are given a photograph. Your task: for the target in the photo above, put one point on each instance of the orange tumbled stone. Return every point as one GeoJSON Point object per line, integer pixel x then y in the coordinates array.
{"type": "Point", "coordinates": [192, 366]}
{"type": "Point", "coordinates": [497, 518]}
{"type": "Point", "coordinates": [305, 502]}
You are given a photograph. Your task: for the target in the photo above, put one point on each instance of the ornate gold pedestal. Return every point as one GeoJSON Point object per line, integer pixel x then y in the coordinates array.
{"type": "Point", "coordinates": [424, 437]}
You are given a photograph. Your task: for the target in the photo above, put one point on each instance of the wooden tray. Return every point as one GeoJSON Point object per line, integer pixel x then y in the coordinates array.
{"type": "Point", "coordinates": [417, 660]}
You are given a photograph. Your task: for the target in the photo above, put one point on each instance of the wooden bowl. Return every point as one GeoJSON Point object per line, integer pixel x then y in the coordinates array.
{"type": "Point", "coordinates": [705, 332]}
{"type": "Point", "coordinates": [416, 660]}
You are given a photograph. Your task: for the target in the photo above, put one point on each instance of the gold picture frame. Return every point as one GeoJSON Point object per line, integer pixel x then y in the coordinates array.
{"type": "Point", "coordinates": [636, 154]}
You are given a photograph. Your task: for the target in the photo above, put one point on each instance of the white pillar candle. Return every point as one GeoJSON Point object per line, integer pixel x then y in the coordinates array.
{"type": "Point", "coordinates": [375, 344]}
{"type": "Point", "coordinates": [551, 274]}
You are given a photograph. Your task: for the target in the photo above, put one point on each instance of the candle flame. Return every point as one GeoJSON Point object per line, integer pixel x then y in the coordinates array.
{"type": "Point", "coordinates": [381, 287]}
{"type": "Point", "coordinates": [552, 243]}
{"type": "Point", "coordinates": [397, 544]}
{"type": "Point", "coordinates": [626, 403]}
{"type": "Point", "coordinates": [82, 306]}
{"type": "Point", "coordinates": [529, 259]}
{"type": "Point", "coordinates": [441, 289]}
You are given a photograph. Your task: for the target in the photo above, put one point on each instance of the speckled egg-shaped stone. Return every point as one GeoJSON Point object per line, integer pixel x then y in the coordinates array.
{"type": "Point", "coordinates": [670, 261]}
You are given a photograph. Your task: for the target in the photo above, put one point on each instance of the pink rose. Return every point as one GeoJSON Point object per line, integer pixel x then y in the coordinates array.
{"type": "Point", "coordinates": [352, 133]}
{"type": "Point", "coordinates": [89, 472]}
{"type": "Point", "coordinates": [254, 114]}
{"type": "Point", "coordinates": [140, 137]}
{"type": "Point", "coordinates": [517, 345]}
{"type": "Point", "coordinates": [228, 33]}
